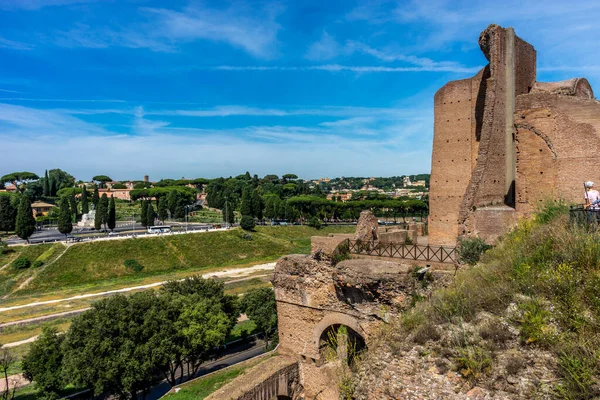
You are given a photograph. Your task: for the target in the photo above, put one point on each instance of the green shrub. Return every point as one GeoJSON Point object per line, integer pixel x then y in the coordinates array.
{"type": "Point", "coordinates": [314, 222]}
{"type": "Point", "coordinates": [341, 253]}
{"type": "Point", "coordinates": [133, 265]}
{"type": "Point", "coordinates": [21, 263]}
{"type": "Point", "coordinates": [247, 223]}
{"type": "Point", "coordinates": [536, 326]}
{"type": "Point", "coordinates": [37, 264]}
{"type": "Point", "coordinates": [550, 210]}
{"type": "Point", "coordinates": [3, 248]}
{"type": "Point", "coordinates": [471, 249]}
{"type": "Point", "coordinates": [578, 368]}
{"type": "Point", "coordinates": [473, 362]}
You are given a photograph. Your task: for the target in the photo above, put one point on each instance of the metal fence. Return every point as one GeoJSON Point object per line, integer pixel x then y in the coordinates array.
{"type": "Point", "coordinates": [587, 219]}
{"type": "Point", "coordinates": [408, 251]}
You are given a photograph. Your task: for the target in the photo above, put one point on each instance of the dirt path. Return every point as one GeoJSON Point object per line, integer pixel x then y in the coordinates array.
{"type": "Point", "coordinates": [14, 381]}
{"type": "Point", "coordinates": [235, 272]}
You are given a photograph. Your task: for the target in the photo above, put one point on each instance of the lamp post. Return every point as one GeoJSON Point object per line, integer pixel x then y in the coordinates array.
{"type": "Point", "coordinates": [226, 215]}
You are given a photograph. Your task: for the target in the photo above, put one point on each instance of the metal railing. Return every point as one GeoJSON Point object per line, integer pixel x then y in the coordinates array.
{"type": "Point", "coordinates": [587, 219]}
{"type": "Point", "coordinates": [407, 251]}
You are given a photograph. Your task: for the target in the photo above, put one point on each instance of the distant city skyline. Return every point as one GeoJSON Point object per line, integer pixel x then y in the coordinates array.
{"type": "Point", "coordinates": [209, 89]}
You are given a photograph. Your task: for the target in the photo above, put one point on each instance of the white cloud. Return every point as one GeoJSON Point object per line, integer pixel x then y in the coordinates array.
{"type": "Point", "coordinates": [50, 137]}
{"type": "Point", "coordinates": [38, 4]}
{"type": "Point", "coordinates": [249, 28]}
{"type": "Point", "coordinates": [325, 48]}
{"type": "Point", "coordinates": [351, 68]}
{"type": "Point", "coordinates": [11, 44]}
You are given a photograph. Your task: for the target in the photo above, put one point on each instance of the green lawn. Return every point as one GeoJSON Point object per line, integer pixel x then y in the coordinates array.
{"type": "Point", "coordinates": [200, 388]}
{"type": "Point", "coordinates": [11, 277]}
{"type": "Point", "coordinates": [101, 263]}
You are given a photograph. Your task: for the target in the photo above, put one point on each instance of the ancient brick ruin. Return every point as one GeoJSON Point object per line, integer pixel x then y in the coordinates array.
{"type": "Point", "coordinates": [503, 142]}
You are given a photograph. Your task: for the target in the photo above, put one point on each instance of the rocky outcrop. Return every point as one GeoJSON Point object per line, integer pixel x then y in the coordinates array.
{"type": "Point", "coordinates": [366, 228]}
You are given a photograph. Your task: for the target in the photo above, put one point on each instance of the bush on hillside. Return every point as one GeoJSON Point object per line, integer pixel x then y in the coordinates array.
{"type": "Point", "coordinates": [133, 265]}
{"type": "Point", "coordinates": [314, 222]}
{"type": "Point", "coordinates": [471, 249]}
{"type": "Point", "coordinates": [37, 263]}
{"type": "Point", "coordinates": [247, 223]}
{"type": "Point", "coordinates": [21, 263]}
{"type": "Point", "coordinates": [3, 248]}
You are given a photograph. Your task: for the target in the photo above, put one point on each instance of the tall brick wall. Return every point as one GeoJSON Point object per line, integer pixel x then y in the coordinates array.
{"type": "Point", "coordinates": [523, 142]}
{"type": "Point", "coordinates": [558, 142]}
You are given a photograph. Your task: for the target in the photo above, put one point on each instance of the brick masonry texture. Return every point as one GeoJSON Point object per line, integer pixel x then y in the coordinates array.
{"type": "Point", "coordinates": [503, 142]}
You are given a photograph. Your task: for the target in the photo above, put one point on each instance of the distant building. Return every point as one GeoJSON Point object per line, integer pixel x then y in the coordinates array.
{"type": "Point", "coordinates": [418, 183]}
{"type": "Point", "coordinates": [121, 194]}
{"type": "Point", "coordinates": [406, 181]}
{"type": "Point", "coordinates": [41, 208]}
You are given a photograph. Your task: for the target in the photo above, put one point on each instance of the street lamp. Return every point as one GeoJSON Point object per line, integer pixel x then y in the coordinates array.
{"type": "Point", "coordinates": [226, 215]}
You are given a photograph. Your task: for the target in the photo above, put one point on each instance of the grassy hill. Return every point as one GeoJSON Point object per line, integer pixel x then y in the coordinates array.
{"type": "Point", "coordinates": [103, 263]}
{"type": "Point", "coordinates": [523, 324]}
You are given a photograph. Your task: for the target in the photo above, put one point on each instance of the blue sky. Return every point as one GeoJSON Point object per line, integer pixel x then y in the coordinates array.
{"type": "Point", "coordinates": [215, 88]}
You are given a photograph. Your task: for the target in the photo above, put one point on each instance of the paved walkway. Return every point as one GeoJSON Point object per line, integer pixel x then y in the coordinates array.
{"type": "Point", "coordinates": [236, 272]}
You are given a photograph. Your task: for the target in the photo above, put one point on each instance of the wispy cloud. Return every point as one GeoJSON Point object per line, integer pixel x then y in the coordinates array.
{"type": "Point", "coordinates": [57, 100]}
{"type": "Point", "coordinates": [9, 91]}
{"type": "Point", "coordinates": [54, 138]}
{"type": "Point", "coordinates": [325, 48]}
{"type": "Point", "coordinates": [11, 44]}
{"type": "Point", "coordinates": [249, 28]}
{"type": "Point", "coordinates": [38, 4]}
{"type": "Point", "coordinates": [352, 68]}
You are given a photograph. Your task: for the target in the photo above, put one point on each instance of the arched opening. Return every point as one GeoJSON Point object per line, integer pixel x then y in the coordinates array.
{"type": "Point", "coordinates": [282, 397]}
{"type": "Point", "coordinates": [339, 342]}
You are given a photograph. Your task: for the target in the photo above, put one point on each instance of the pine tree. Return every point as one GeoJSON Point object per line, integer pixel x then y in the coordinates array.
{"type": "Point", "coordinates": [85, 207]}
{"type": "Point", "coordinates": [65, 226]}
{"type": "Point", "coordinates": [143, 212]}
{"type": "Point", "coordinates": [246, 206]}
{"type": "Point", "coordinates": [7, 214]}
{"type": "Point", "coordinates": [95, 197]}
{"type": "Point", "coordinates": [112, 214]}
{"type": "Point", "coordinates": [53, 188]}
{"type": "Point", "coordinates": [25, 224]}
{"type": "Point", "coordinates": [162, 209]}
{"type": "Point", "coordinates": [46, 185]}
{"type": "Point", "coordinates": [150, 214]}
{"type": "Point", "coordinates": [73, 205]}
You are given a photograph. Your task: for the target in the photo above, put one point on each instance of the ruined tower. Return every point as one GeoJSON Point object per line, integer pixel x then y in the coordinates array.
{"type": "Point", "coordinates": [496, 139]}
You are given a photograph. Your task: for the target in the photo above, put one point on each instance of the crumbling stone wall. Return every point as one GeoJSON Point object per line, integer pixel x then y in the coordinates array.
{"type": "Point", "coordinates": [486, 171]}
{"type": "Point", "coordinates": [314, 295]}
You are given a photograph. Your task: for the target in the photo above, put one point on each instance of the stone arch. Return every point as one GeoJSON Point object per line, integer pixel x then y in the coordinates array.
{"type": "Point", "coordinates": [335, 318]}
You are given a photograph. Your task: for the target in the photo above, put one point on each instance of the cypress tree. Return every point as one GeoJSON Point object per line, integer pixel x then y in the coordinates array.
{"type": "Point", "coordinates": [53, 188]}
{"type": "Point", "coordinates": [150, 214]}
{"type": "Point", "coordinates": [103, 205]}
{"type": "Point", "coordinates": [25, 224]}
{"type": "Point", "coordinates": [65, 226]}
{"type": "Point", "coordinates": [7, 214]}
{"type": "Point", "coordinates": [143, 212]}
{"type": "Point", "coordinates": [112, 214]}
{"type": "Point", "coordinates": [95, 197]}
{"type": "Point", "coordinates": [246, 207]}
{"type": "Point", "coordinates": [257, 205]}
{"type": "Point", "coordinates": [85, 207]}
{"type": "Point", "coordinates": [46, 185]}
{"type": "Point", "coordinates": [73, 205]}
{"type": "Point", "coordinates": [162, 209]}
{"type": "Point", "coordinates": [229, 217]}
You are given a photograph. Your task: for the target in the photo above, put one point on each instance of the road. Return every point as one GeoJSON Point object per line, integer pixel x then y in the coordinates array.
{"type": "Point", "coordinates": [235, 272]}
{"type": "Point", "coordinates": [233, 356]}
{"type": "Point", "coordinates": [52, 234]}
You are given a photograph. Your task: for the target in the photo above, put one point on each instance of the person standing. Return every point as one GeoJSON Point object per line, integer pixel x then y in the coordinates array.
{"type": "Point", "coordinates": [592, 196]}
